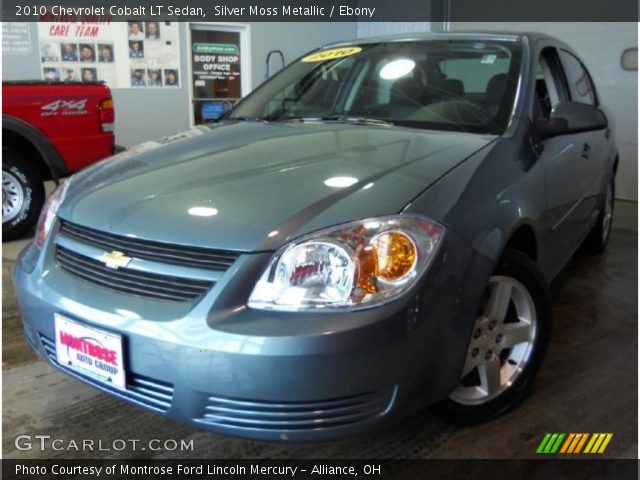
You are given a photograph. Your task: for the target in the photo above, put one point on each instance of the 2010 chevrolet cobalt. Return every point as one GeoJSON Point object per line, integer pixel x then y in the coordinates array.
{"type": "Point", "coordinates": [370, 231]}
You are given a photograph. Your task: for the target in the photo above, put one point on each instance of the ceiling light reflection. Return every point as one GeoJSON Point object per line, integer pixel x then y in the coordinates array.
{"type": "Point", "coordinates": [340, 182]}
{"type": "Point", "coordinates": [203, 211]}
{"type": "Point", "coordinates": [397, 68]}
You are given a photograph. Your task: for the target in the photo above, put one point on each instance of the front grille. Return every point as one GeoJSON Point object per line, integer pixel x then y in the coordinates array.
{"type": "Point", "coordinates": [218, 260]}
{"type": "Point", "coordinates": [141, 390]}
{"type": "Point", "coordinates": [130, 281]}
{"type": "Point", "coordinates": [226, 412]}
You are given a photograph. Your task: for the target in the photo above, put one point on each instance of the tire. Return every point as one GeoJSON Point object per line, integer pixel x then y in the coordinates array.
{"type": "Point", "coordinates": [477, 398]}
{"type": "Point", "coordinates": [22, 195]}
{"type": "Point", "coordinates": [598, 238]}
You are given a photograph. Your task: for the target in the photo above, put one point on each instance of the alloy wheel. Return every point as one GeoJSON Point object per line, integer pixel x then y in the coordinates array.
{"type": "Point", "coordinates": [501, 344]}
{"type": "Point", "coordinates": [12, 196]}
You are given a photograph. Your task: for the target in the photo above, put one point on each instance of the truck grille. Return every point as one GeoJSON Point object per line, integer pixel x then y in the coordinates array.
{"type": "Point", "coordinates": [131, 281]}
{"type": "Point", "coordinates": [195, 257]}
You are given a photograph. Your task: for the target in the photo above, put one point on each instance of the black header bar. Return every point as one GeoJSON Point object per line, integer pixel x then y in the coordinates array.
{"type": "Point", "coordinates": [322, 10]}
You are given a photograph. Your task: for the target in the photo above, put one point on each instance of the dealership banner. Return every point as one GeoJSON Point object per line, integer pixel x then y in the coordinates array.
{"type": "Point", "coordinates": [321, 11]}
{"type": "Point", "coordinates": [320, 469]}
{"type": "Point", "coordinates": [132, 54]}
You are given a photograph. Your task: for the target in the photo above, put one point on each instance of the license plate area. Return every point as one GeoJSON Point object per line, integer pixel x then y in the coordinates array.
{"type": "Point", "coordinates": [90, 351]}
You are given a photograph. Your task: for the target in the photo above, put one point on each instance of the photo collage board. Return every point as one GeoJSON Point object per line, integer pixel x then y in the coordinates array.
{"type": "Point", "coordinates": [132, 54]}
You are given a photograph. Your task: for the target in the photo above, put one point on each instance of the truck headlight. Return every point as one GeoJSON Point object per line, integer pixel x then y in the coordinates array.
{"type": "Point", "coordinates": [49, 211]}
{"type": "Point", "coordinates": [356, 265]}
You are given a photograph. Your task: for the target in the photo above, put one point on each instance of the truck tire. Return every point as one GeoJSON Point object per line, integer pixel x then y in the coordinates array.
{"type": "Point", "coordinates": [22, 194]}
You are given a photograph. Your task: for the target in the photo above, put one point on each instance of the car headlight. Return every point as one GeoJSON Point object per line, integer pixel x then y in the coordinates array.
{"type": "Point", "coordinates": [356, 265]}
{"type": "Point", "coordinates": [49, 211]}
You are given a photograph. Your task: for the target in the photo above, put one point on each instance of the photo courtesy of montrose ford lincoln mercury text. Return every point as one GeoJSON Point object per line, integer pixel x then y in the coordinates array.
{"type": "Point", "coordinates": [371, 231]}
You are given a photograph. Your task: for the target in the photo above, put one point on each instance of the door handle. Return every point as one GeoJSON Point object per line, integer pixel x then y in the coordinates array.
{"type": "Point", "coordinates": [585, 151]}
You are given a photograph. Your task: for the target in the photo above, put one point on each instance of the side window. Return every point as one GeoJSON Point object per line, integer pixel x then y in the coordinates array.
{"type": "Point", "coordinates": [580, 85]}
{"type": "Point", "coordinates": [549, 85]}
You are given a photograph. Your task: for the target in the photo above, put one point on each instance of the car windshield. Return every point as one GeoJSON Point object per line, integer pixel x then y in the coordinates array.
{"type": "Point", "coordinates": [457, 85]}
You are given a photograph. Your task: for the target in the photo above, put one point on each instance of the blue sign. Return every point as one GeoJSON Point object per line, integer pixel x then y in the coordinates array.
{"type": "Point", "coordinates": [212, 110]}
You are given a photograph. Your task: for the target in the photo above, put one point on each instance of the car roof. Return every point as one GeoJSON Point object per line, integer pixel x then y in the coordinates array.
{"type": "Point", "coordinates": [458, 35]}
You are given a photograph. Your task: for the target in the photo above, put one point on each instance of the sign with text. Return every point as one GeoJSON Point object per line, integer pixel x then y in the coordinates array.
{"type": "Point", "coordinates": [216, 71]}
{"type": "Point", "coordinates": [16, 38]}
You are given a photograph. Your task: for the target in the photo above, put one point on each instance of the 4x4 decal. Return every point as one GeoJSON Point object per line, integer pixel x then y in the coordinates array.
{"type": "Point", "coordinates": [64, 107]}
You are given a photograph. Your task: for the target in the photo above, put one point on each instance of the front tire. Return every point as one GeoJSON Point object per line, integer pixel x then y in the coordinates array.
{"type": "Point", "coordinates": [22, 194]}
{"type": "Point", "coordinates": [507, 345]}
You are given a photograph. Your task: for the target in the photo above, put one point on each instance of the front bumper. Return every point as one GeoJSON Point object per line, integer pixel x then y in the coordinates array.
{"type": "Point", "coordinates": [268, 375]}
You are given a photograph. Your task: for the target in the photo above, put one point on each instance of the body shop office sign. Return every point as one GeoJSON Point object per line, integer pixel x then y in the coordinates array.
{"type": "Point", "coordinates": [216, 73]}
{"type": "Point", "coordinates": [215, 61]}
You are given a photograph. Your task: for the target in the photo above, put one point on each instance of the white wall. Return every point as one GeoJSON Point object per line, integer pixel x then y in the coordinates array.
{"type": "Point", "coordinates": [372, 29]}
{"type": "Point", "coordinates": [600, 45]}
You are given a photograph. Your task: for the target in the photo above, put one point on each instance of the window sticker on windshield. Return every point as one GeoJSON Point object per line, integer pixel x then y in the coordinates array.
{"type": "Point", "coordinates": [331, 54]}
{"type": "Point", "coordinates": [489, 58]}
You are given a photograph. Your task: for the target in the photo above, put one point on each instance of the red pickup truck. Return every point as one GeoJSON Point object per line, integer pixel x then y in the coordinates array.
{"type": "Point", "coordinates": [49, 131]}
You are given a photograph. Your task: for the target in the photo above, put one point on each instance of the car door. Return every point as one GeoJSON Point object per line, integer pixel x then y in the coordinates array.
{"type": "Point", "coordinates": [563, 162]}
{"type": "Point", "coordinates": [594, 144]}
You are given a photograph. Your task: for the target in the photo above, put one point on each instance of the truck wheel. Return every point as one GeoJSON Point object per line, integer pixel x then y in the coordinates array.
{"type": "Point", "coordinates": [507, 345]}
{"type": "Point", "coordinates": [22, 194]}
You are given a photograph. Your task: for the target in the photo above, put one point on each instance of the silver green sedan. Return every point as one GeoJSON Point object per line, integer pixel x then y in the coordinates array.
{"type": "Point", "coordinates": [369, 232]}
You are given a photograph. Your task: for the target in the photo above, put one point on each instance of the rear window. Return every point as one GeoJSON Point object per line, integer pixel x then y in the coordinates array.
{"type": "Point", "coordinates": [475, 73]}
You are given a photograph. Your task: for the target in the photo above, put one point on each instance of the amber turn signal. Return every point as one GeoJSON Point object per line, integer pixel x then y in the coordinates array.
{"type": "Point", "coordinates": [396, 255]}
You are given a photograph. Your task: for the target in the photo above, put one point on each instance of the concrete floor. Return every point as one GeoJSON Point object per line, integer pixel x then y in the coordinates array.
{"type": "Point", "coordinates": [588, 383]}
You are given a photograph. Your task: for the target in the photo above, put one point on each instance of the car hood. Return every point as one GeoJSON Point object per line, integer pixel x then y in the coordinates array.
{"type": "Point", "coordinates": [252, 186]}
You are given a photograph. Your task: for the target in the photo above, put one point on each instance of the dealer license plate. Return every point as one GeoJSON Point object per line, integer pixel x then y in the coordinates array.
{"type": "Point", "coordinates": [90, 351]}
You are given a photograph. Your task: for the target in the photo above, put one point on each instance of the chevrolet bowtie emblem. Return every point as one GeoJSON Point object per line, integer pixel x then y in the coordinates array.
{"type": "Point", "coordinates": [115, 260]}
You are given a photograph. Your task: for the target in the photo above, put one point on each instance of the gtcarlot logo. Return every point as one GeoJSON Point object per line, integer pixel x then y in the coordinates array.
{"type": "Point", "coordinates": [46, 442]}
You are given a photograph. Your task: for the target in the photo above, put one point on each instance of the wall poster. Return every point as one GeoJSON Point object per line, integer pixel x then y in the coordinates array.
{"type": "Point", "coordinates": [132, 54]}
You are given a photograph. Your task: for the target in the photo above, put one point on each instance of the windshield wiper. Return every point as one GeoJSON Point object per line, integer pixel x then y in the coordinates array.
{"type": "Point", "coordinates": [352, 120]}
{"type": "Point", "coordinates": [243, 119]}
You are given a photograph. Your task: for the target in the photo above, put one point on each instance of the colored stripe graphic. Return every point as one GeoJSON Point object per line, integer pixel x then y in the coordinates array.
{"type": "Point", "coordinates": [606, 441]}
{"type": "Point", "coordinates": [568, 442]}
{"type": "Point", "coordinates": [598, 442]}
{"type": "Point", "coordinates": [543, 443]}
{"type": "Point", "coordinates": [556, 446]}
{"type": "Point", "coordinates": [550, 443]}
{"type": "Point", "coordinates": [575, 443]}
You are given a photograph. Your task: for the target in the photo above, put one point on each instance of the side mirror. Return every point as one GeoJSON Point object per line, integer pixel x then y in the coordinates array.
{"type": "Point", "coordinates": [551, 127]}
{"type": "Point", "coordinates": [571, 117]}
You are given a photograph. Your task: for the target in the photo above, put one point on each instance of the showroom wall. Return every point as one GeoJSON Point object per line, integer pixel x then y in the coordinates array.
{"type": "Point", "coordinates": [145, 114]}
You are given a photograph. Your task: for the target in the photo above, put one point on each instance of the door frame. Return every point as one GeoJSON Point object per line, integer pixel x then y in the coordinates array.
{"type": "Point", "coordinates": [245, 57]}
